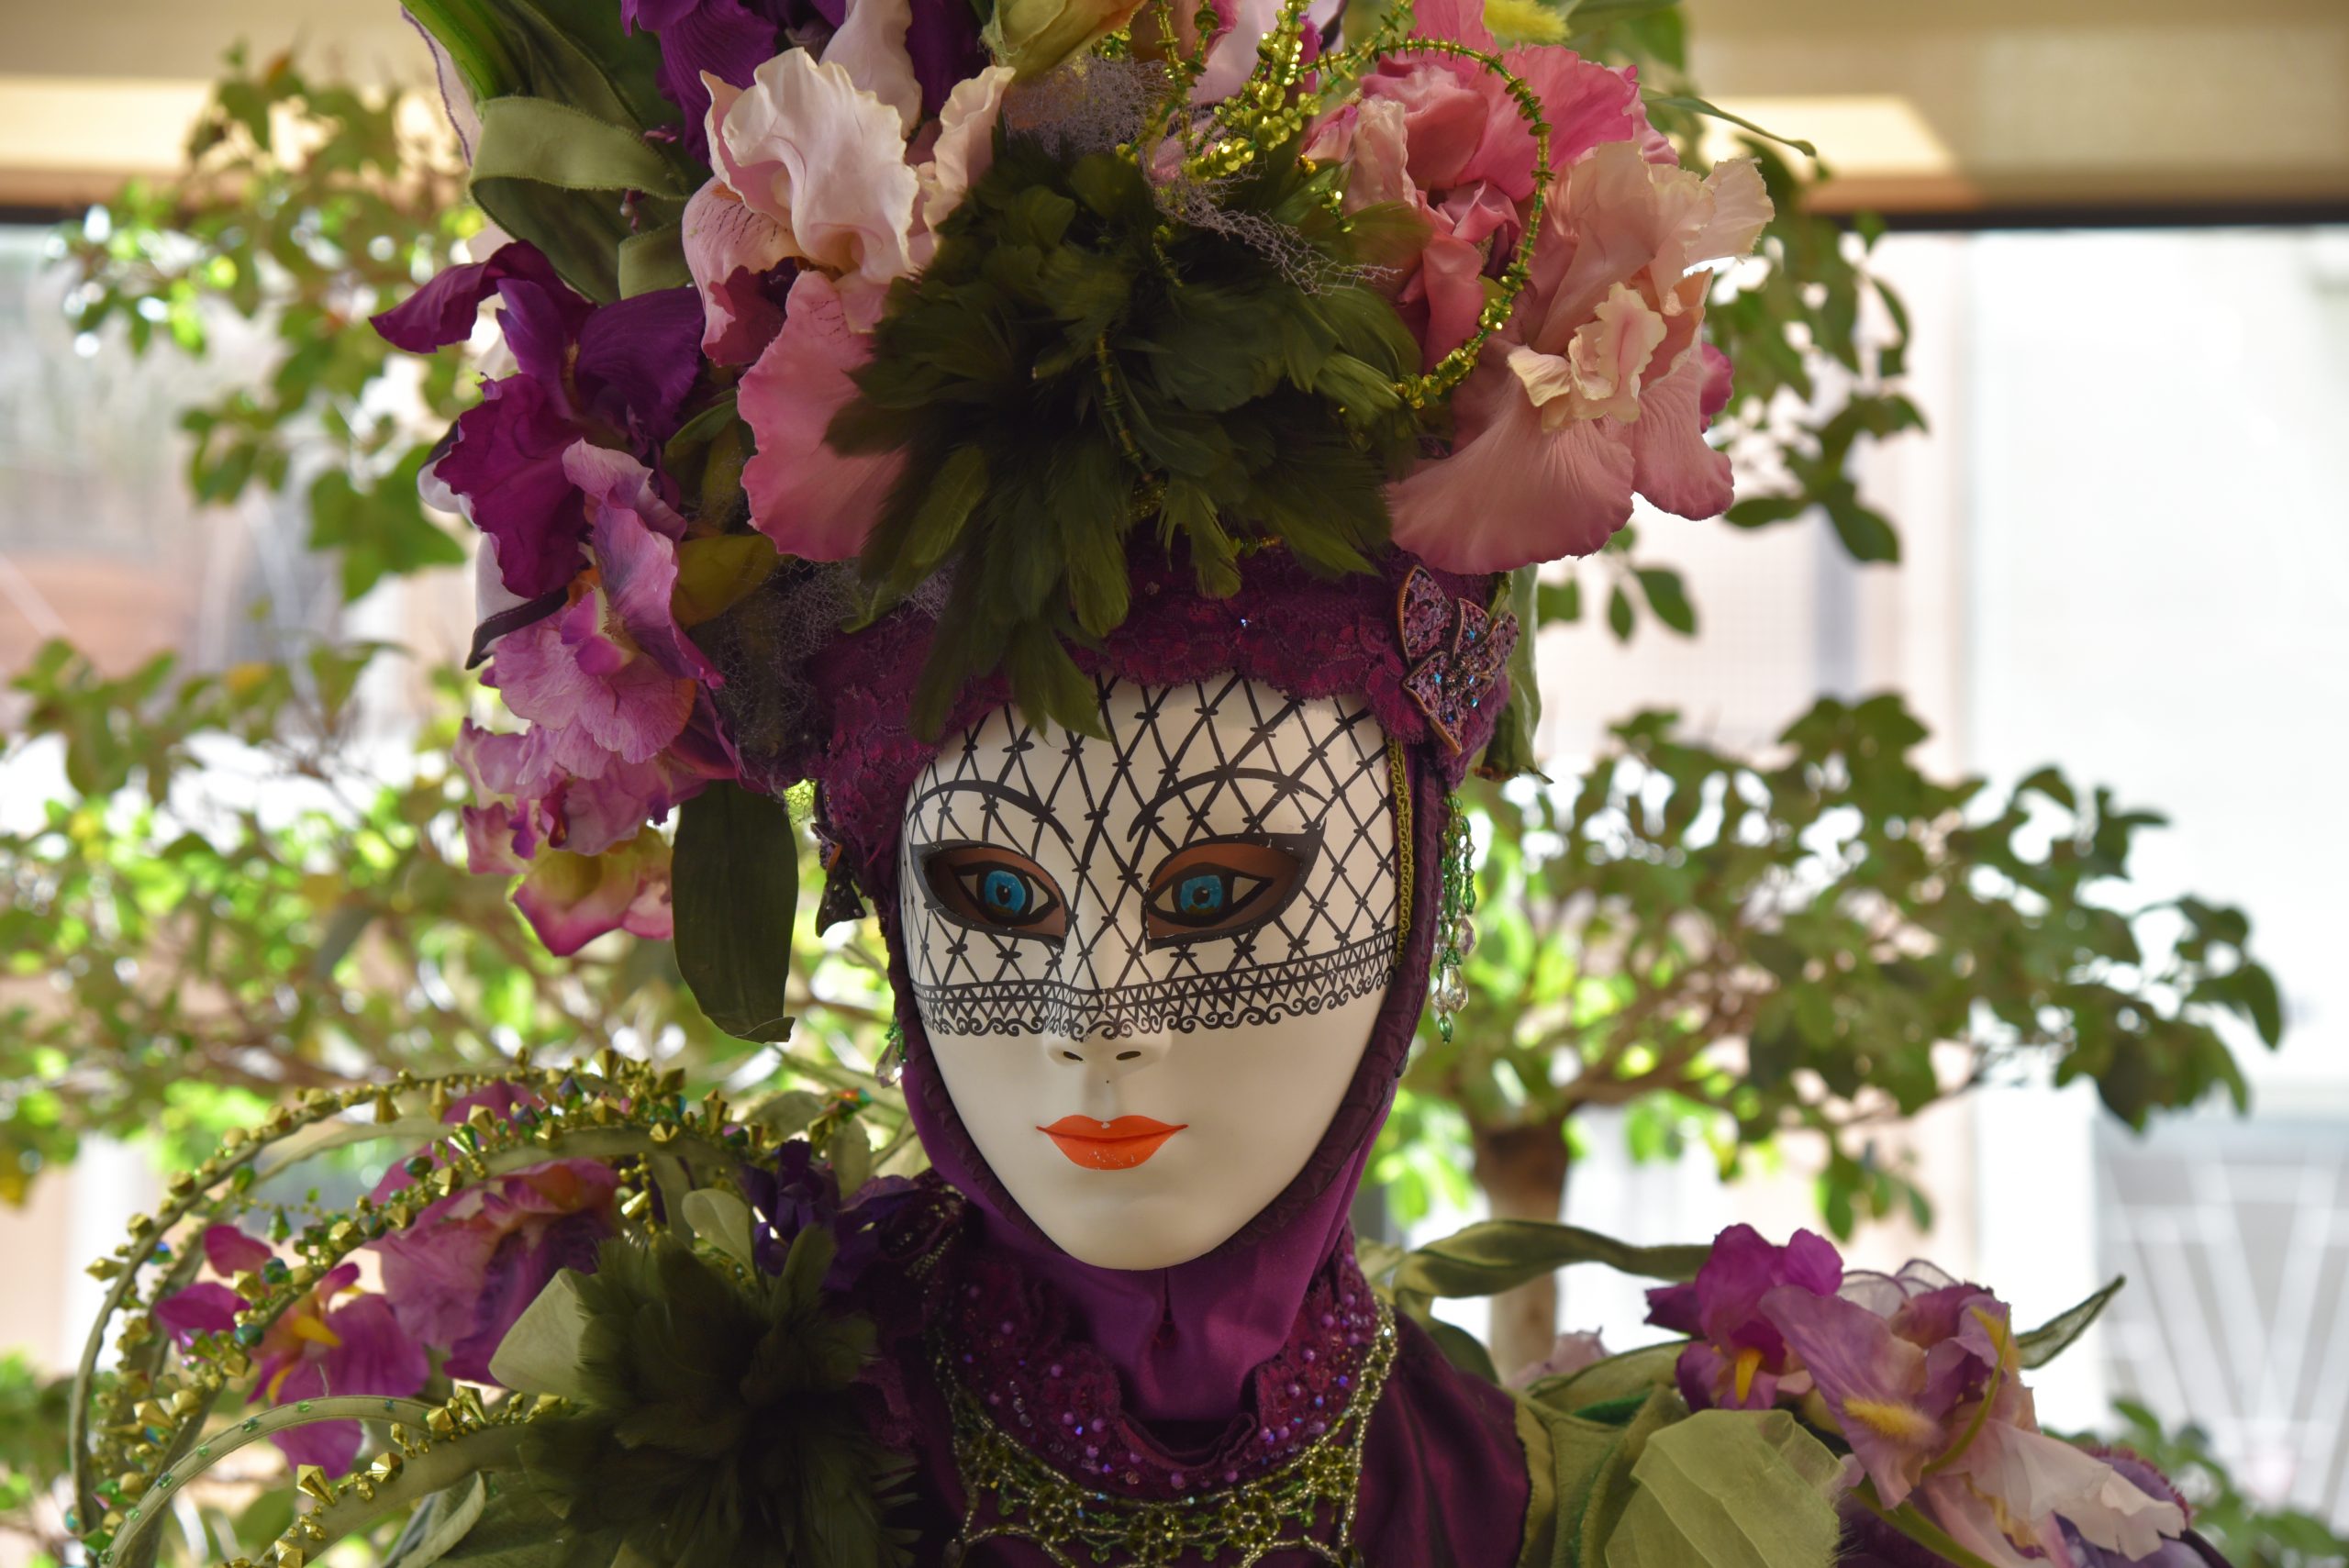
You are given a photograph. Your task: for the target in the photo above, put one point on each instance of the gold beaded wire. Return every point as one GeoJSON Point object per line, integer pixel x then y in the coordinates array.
{"type": "Point", "coordinates": [153, 1439]}
{"type": "Point", "coordinates": [1274, 106]}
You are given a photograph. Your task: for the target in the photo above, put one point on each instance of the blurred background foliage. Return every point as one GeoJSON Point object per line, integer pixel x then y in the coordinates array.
{"type": "Point", "coordinates": [251, 886]}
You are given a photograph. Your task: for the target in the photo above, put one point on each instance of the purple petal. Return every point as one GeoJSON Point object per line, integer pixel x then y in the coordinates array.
{"type": "Point", "coordinates": [1675, 1306]}
{"type": "Point", "coordinates": [717, 36]}
{"type": "Point", "coordinates": [508, 464]}
{"type": "Point", "coordinates": [541, 324]}
{"type": "Point", "coordinates": [443, 310]}
{"type": "Point", "coordinates": [204, 1308]}
{"type": "Point", "coordinates": [943, 41]}
{"type": "Point", "coordinates": [228, 1251]}
{"type": "Point", "coordinates": [375, 1357]}
{"type": "Point", "coordinates": [1873, 1382]}
{"type": "Point", "coordinates": [1812, 1262]}
{"type": "Point", "coordinates": [517, 1273]}
{"type": "Point", "coordinates": [638, 358]}
{"type": "Point", "coordinates": [638, 561]}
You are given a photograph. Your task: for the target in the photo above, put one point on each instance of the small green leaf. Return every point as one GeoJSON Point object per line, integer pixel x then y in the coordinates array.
{"type": "Point", "coordinates": [1618, 613]}
{"type": "Point", "coordinates": [1668, 599]}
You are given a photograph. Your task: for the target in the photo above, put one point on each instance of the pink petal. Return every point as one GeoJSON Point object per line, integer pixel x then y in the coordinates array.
{"type": "Point", "coordinates": [1671, 466]}
{"type": "Point", "coordinates": [1512, 493]}
{"type": "Point", "coordinates": [228, 1251]}
{"type": "Point", "coordinates": [570, 900]}
{"type": "Point", "coordinates": [2033, 1476]}
{"type": "Point", "coordinates": [812, 501]}
{"type": "Point", "coordinates": [727, 246]}
{"type": "Point", "coordinates": [594, 699]}
{"type": "Point", "coordinates": [1719, 383]}
{"type": "Point", "coordinates": [201, 1308]}
{"type": "Point", "coordinates": [1462, 21]}
{"type": "Point", "coordinates": [824, 159]}
{"type": "Point", "coordinates": [1232, 55]}
{"type": "Point", "coordinates": [1451, 275]}
{"type": "Point", "coordinates": [964, 150]}
{"type": "Point", "coordinates": [871, 47]}
{"type": "Point", "coordinates": [1586, 104]}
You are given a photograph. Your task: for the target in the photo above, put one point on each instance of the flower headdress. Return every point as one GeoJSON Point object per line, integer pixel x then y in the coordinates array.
{"type": "Point", "coordinates": [1005, 314]}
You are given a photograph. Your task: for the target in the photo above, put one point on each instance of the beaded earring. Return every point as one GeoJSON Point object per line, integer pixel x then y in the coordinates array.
{"type": "Point", "coordinates": [1455, 935]}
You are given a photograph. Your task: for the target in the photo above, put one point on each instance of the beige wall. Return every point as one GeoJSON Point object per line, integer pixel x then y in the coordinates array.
{"type": "Point", "coordinates": [1999, 104]}
{"type": "Point", "coordinates": [2095, 103]}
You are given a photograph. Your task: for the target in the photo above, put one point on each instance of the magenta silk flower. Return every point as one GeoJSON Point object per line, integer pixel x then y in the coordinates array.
{"type": "Point", "coordinates": [617, 374]}
{"type": "Point", "coordinates": [1739, 1357]}
{"type": "Point", "coordinates": [315, 1349]}
{"type": "Point", "coordinates": [475, 1261]}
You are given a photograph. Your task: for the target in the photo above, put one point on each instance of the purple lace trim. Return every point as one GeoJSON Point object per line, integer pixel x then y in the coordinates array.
{"type": "Point", "coordinates": [1008, 1340]}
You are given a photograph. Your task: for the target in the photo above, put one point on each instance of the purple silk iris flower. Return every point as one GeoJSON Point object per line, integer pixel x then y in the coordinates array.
{"type": "Point", "coordinates": [1739, 1356]}
{"type": "Point", "coordinates": [473, 1262]}
{"type": "Point", "coordinates": [315, 1349]}
{"type": "Point", "coordinates": [731, 39]}
{"type": "Point", "coordinates": [616, 374]}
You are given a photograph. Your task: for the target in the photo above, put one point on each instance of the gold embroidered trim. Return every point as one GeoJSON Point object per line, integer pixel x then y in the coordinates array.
{"type": "Point", "coordinates": [1405, 847]}
{"type": "Point", "coordinates": [1012, 1493]}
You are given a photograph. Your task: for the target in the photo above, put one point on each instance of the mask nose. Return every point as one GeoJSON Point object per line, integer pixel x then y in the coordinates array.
{"type": "Point", "coordinates": [1105, 1055]}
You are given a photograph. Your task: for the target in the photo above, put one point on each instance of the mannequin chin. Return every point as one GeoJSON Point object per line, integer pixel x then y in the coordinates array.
{"type": "Point", "coordinates": [1148, 967]}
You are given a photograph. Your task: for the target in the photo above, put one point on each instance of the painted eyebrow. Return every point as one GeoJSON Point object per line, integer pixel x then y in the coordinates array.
{"type": "Point", "coordinates": [1226, 775]}
{"type": "Point", "coordinates": [1003, 792]}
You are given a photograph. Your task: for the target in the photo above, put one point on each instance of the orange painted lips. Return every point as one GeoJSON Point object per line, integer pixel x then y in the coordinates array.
{"type": "Point", "coordinates": [1118, 1145]}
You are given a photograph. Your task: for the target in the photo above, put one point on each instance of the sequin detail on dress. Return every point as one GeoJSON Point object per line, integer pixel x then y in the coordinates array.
{"type": "Point", "coordinates": [1046, 1453]}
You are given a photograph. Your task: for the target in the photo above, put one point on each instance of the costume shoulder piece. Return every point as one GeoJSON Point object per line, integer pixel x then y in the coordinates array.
{"type": "Point", "coordinates": [583, 1320]}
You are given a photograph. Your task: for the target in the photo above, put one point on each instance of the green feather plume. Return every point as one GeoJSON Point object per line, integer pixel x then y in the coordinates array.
{"type": "Point", "coordinates": [1076, 366]}
{"type": "Point", "coordinates": [717, 1420]}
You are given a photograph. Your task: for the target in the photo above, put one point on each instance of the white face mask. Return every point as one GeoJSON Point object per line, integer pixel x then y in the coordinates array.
{"type": "Point", "coordinates": [1149, 966]}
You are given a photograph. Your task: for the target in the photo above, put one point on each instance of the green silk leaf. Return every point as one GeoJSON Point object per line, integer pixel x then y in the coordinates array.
{"type": "Point", "coordinates": [654, 258]}
{"type": "Point", "coordinates": [1634, 1373]}
{"type": "Point", "coordinates": [1713, 111]}
{"type": "Point", "coordinates": [540, 1353]}
{"type": "Point", "coordinates": [1729, 1489]}
{"type": "Point", "coordinates": [554, 176]}
{"type": "Point", "coordinates": [1510, 750]}
{"type": "Point", "coordinates": [2055, 1336]}
{"type": "Point", "coordinates": [736, 878]}
{"type": "Point", "coordinates": [1496, 1255]}
{"type": "Point", "coordinates": [579, 52]}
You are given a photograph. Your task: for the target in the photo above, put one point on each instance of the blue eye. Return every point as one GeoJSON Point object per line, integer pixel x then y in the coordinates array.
{"type": "Point", "coordinates": [1005, 892]}
{"type": "Point", "coordinates": [995, 889]}
{"type": "Point", "coordinates": [1202, 895]}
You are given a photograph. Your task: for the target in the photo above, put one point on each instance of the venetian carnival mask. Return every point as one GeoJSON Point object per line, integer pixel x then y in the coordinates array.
{"type": "Point", "coordinates": [1148, 965]}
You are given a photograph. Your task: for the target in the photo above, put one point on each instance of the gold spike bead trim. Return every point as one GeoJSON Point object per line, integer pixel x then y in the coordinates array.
{"type": "Point", "coordinates": [1014, 1494]}
{"type": "Point", "coordinates": [152, 1423]}
{"type": "Point", "coordinates": [1406, 847]}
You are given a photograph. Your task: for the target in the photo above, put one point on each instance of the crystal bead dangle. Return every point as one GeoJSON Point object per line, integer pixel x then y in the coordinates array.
{"type": "Point", "coordinates": [1456, 925]}
{"type": "Point", "coordinates": [890, 1065]}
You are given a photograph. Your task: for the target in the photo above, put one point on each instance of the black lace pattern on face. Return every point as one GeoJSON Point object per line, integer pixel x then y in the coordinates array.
{"type": "Point", "coordinates": [1225, 856]}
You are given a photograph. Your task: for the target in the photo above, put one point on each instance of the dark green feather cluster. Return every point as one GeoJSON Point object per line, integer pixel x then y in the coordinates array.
{"type": "Point", "coordinates": [1076, 364]}
{"type": "Point", "coordinates": [723, 1427]}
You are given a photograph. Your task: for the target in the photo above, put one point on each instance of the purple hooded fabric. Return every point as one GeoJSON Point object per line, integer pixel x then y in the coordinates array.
{"type": "Point", "coordinates": [1443, 1467]}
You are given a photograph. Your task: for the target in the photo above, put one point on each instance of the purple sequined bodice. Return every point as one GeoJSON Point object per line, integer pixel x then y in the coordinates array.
{"type": "Point", "coordinates": [1009, 1340]}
